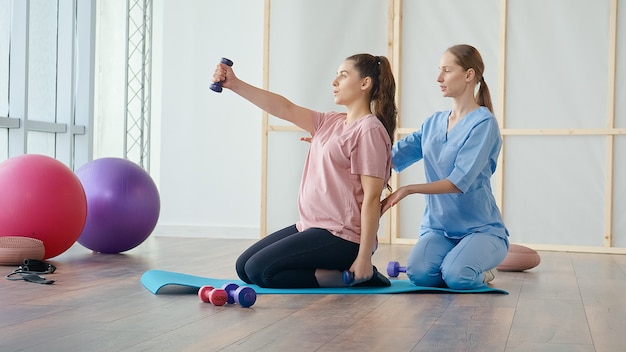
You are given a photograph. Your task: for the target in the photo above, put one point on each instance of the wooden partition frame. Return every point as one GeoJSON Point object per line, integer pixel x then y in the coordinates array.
{"type": "Point", "coordinates": [610, 132]}
{"type": "Point", "coordinates": [265, 119]}
{"type": "Point", "coordinates": [391, 220]}
{"type": "Point", "coordinates": [391, 223]}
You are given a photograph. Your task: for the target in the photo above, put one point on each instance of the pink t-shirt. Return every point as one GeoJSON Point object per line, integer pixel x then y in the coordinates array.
{"type": "Point", "coordinates": [331, 193]}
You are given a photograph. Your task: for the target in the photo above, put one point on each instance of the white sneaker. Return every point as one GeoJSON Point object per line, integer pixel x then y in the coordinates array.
{"type": "Point", "coordinates": [489, 276]}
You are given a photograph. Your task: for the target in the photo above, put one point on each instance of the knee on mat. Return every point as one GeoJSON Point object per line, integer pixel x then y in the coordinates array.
{"type": "Point", "coordinates": [242, 275]}
{"type": "Point", "coordinates": [422, 277]}
{"type": "Point", "coordinates": [255, 276]}
{"type": "Point", "coordinates": [461, 278]}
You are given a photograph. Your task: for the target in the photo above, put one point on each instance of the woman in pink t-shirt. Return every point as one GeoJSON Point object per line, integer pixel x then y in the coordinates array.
{"type": "Point", "coordinates": [346, 170]}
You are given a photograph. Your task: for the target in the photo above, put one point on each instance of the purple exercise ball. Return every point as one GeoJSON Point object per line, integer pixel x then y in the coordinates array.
{"type": "Point", "coordinates": [123, 205]}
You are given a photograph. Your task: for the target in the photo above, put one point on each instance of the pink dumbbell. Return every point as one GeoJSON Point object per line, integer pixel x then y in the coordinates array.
{"type": "Point", "coordinates": [394, 269]}
{"type": "Point", "coordinates": [217, 296]}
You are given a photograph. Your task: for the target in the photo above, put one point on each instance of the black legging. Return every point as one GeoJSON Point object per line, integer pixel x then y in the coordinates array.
{"type": "Point", "coordinates": [288, 258]}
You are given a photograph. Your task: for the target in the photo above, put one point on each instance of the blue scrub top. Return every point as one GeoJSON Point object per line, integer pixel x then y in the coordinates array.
{"type": "Point", "coordinates": [467, 156]}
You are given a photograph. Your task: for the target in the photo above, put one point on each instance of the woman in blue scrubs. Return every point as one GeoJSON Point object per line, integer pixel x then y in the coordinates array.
{"type": "Point", "coordinates": [462, 235]}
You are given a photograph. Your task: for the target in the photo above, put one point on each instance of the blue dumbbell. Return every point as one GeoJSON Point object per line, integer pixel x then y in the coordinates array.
{"type": "Point", "coordinates": [394, 269]}
{"type": "Point", "coordinates": [348, 277]}
{"type": "Point", "coordinates": [217, 86]}
{"type": "Point", "coordinates": [242, 295]}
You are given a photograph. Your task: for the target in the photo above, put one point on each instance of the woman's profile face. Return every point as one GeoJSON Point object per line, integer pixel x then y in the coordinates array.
{"type": "Point", "coordinates": [347, 83]}
{"type": "Point", "coordinates": [452, 78]}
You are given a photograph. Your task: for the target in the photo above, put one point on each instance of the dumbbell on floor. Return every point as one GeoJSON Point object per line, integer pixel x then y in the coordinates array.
{"type": "Point", "coordinates": [242, 295]}
{"type": "Point", "coordinates": [215, 296]}
{"type": "Point", "coordinates": [394, 269]}
{"type": "Point", "coordinates": [229, 293]}
{"type": "Point", "coordinates": [217, 86]}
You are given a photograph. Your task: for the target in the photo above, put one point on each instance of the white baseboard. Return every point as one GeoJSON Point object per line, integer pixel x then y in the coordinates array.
{"type": "Point", "coordinates": [207, 231]}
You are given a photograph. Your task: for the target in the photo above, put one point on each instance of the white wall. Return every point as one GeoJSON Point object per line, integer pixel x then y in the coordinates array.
{"type": "Point", "coordinates": [206, 146]}
{"type": "Point", "coordinates": [205, 155]}
{"type": "Point", "coordinates": [110, 79]}
{"type": "Point", "coordinates": [209, 142]}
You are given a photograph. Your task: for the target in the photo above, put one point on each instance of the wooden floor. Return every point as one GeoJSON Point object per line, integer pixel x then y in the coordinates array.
{"type": "Point", "coordinates": [570, 302]}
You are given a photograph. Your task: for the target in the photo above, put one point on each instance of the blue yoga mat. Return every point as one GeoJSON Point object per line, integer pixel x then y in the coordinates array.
{"type": "Point", "coordinates": [159, 281]}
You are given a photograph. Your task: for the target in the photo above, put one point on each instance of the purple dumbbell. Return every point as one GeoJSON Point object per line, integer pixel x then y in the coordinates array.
{"type": "Point", "coordinates": [242, 295]}
{"type": "Point", "coordinates": [394, 269]}
{"type": "Point", "coordinates": [217, 86]}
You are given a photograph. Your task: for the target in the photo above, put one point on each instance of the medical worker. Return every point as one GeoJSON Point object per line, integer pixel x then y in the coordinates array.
{"type": "Point", "coordinates": [345, 172]}
{"type": "Point", "coordinates": [462, 235]}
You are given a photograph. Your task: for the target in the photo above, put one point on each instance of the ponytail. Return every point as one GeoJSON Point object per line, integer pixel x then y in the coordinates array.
{"type": "Point", "coordinates": [383, 88]}
{"type": "Point", "coordinates": [384, 97]}
{"type": "Point", "coordinates": [383, 93]}
{"type": "Point", "coordinates": [483, 97]}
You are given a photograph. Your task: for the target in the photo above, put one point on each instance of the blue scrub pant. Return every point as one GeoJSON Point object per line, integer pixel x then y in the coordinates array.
{"type": "Point", "coordinates": [439, 261]}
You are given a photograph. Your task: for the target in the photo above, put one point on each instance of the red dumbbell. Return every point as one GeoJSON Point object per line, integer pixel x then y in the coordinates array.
{"type": "Point", "coordinates": [394, 269]}
{"type": "Point", "coordinates": [217, 296]}
{"type": "Point", "coordinates": [242, 295]}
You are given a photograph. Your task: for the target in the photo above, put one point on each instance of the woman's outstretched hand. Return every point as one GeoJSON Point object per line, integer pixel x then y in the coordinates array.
{"type": "Point", "coordinates": [224, 74]}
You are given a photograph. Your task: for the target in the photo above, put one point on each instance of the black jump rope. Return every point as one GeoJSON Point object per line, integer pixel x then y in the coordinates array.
{"type": "Point", "coordinates": [31, 271]}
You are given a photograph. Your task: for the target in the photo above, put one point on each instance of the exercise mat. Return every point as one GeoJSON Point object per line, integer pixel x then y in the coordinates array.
{"type": "Point", "coordinates": [168, 282]}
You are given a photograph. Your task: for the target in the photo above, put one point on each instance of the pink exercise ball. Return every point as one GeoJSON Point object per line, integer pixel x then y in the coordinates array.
{"type": "Point", "coordinates": [43, 199]}
{"type": "Point", "coordinates": [123, 203]}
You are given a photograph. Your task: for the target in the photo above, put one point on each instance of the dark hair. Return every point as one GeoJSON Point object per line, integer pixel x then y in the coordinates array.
{"type": "Point", "coordinates": [468, 57]}
{"type": "Point", "coordinates": [383, 91]}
